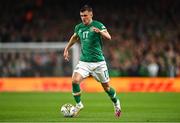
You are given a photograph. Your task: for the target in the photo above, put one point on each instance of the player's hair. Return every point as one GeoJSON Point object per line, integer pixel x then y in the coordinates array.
{"type": "Point", "coordinates": [86, 8]}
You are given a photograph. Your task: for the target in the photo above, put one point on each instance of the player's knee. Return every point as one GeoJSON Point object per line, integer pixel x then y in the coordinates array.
{"type": "Point", "coordinates": [76, 80]}
{"type": "Point", "coordinates": [106, 88]}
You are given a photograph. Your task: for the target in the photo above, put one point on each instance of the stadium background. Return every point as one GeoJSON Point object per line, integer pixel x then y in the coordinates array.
{"type": "Point", "coordinates": [145, 34]}
{"type": "Point", "coordinates": [143, 56]}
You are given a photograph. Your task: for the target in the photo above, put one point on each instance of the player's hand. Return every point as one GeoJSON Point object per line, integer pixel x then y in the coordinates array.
{"type": "Point", "coordinates": [96, 29]}
{"type": "Point", "coordinates": [105, 34]}
{"type": "Point", "coordinates": [66, 54]}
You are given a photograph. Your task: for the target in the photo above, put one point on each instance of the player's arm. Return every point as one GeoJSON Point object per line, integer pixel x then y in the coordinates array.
{"type": "Point", "coordinates": [74, 38]}
{"type": "Point", "coordinates": [104, 33]}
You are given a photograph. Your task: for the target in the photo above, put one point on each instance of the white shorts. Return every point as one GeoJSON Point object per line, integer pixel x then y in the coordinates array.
{"type": "Point", "coordinates": [97, 69]}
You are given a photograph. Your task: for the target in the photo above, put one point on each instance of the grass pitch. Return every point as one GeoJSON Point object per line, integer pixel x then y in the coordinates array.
{"type": "Point", "coordinates": [45, 107]}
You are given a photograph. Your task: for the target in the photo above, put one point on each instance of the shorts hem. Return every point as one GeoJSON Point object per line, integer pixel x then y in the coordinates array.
{"type": "Point", "coordinates": [79, 73]}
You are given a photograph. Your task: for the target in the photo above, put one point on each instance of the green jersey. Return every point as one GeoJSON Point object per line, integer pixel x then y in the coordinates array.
{"type": "Point", "coordinates": [91, 42]}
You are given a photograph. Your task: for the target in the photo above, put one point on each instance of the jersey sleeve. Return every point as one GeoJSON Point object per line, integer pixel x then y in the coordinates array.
{"type": "Point", "coordinates": [101, 27]}
{"type": "Point", "coordinates": [76, 29]}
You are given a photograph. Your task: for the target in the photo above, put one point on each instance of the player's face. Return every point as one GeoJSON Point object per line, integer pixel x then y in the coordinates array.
{"type": "Point", "coordinates": [86, 17]}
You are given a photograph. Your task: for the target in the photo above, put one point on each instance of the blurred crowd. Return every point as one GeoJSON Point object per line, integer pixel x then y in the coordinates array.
{"type": "Point", "coordinates": [145, 35]}
{"type": "Point", "coordinates": [28, 64]}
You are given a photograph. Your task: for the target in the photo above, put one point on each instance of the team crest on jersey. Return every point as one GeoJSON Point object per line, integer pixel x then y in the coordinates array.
{"type": "Point", "coordinates": [91, 29]}
{"type": "Point", "coordinates": [80, 31]}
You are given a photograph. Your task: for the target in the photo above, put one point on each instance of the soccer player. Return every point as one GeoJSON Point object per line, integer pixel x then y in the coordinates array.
{"type": "Point", "coordinates": [92, 61]}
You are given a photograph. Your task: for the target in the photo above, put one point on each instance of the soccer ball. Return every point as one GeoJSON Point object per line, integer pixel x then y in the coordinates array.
{"type": "Point", "coordinates": [68, 110]}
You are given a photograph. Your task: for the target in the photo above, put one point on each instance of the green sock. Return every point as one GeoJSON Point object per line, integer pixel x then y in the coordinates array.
{"type": "Point", "coordinates": [112, 94]}
{"type": "Point", "coordinates": [76, 92]}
